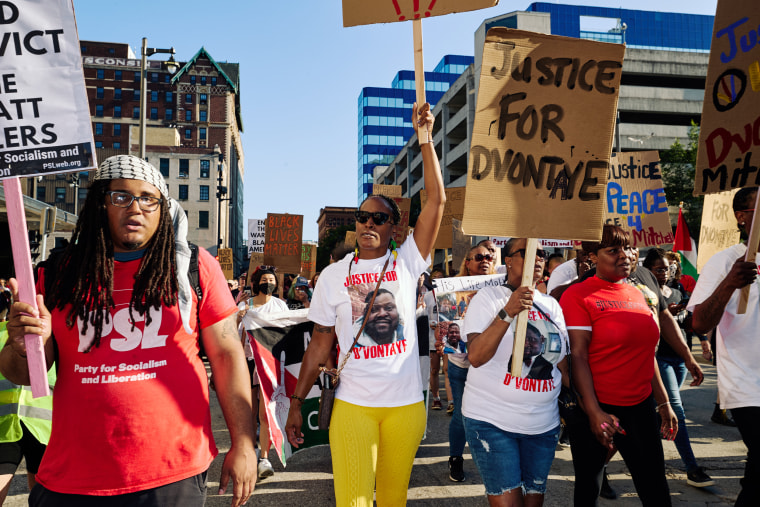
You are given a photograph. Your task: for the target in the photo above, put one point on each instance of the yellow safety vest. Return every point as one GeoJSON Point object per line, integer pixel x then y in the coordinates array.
{"type": "Point", "coordinates": [17, 404]}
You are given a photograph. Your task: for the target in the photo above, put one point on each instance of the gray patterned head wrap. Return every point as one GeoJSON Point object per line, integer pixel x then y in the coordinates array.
{"type": "Point", "coordinates": [129, 167]}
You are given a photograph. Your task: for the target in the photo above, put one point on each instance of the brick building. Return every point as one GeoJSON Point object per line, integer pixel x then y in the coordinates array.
{"type": "Point", "coordinates": [331, 217]}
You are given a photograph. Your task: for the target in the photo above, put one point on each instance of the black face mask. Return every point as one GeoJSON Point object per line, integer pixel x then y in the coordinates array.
{"type": "Point", "coordinates": [267, 288]}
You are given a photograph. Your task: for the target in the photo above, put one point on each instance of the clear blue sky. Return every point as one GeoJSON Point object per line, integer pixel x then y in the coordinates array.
{"type": "Point", "coordinates": [301, 74]}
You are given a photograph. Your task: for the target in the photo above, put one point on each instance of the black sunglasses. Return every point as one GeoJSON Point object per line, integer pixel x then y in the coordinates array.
{"type": "Point", "coordinates": [481, 257]}
{"type": "Point", "coordinates": [378, 217]}
{"type": "Point", "coordinates": [542, 254]}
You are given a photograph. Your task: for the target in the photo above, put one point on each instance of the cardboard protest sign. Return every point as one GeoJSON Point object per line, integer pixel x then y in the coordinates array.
{"type": "Point", "coordinates": [43, 99]}
{"type": "Point", "coordinates": [636, 198]}
{"type": "Point", "coordinates": [256, 235]}
{"type": "Point", "coordinates": [225, 261]}
{"type": "Point", "coordinates": [361, 12]}
{"type": "Point", "coordinates": [542, 136]}
{"type": "Point", "coordinates": [454, 208]}
{"type": "Point", "coordinates": [718, 230]}
{"type": "Point", "coordinates": [282, 247]}
{"type": "Point", "coordinates": [460, 243]}
{"type": "Point", "coordinates": [730, 130]}
{"type": "Point", "coordinates": [401, 231]}
{"type": "Point", "coordinates": [387, 190]}
{"type": "Point", "coordinates": [308, 260]}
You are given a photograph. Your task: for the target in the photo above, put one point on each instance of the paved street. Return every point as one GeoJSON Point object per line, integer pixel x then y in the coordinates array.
{"type": "Point", "coordinates": [308, 480]}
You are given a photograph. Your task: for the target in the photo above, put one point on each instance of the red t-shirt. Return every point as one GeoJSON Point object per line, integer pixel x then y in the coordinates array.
{"type": "Point", "coordinates": [133, 413]}
{"type": "Point", "coordinates": [623, 338]}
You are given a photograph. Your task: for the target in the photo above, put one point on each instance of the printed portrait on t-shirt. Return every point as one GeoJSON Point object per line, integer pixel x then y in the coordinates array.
{"type": "Point", "coordinates": [384, 322]}
{"type": "Point", "coordinates": [453, 338]}
{"type": "Point", "coordinates": [543, 347]}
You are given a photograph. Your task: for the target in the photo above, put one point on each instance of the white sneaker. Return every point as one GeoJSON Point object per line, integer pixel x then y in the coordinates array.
{"type": "Point", "coordinates": [265, 469]}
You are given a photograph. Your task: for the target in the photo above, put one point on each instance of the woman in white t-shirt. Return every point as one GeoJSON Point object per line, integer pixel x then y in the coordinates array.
{"type": "Point", "coordinates": [512, 423]}
{"type": "Point", "coordinates": [379, 417]}
{"type": "Point", "coordinates": [264, 284]}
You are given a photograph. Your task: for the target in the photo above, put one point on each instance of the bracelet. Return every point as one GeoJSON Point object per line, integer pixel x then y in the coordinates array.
{"type": "Point", "coordinates": [662, 405]}
{"type": "Point", "coordinates": [293, 396]}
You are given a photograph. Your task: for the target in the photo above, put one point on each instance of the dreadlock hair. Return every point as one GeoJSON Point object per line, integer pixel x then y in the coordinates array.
{"type": "Point", "coordinates": [84, 275]}
{"type": "Point", "coordinates": [395, 211]}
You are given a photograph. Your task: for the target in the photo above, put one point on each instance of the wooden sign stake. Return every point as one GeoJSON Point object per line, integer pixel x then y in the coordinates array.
{"type": "Point", "coordinates": [752, 245]}
{"type": "Point", "coordinates": [521, 321]}
{"type": "Point", "coordinates": [22, 261]}
{"type": "Point", "coordinates": [419, 69]}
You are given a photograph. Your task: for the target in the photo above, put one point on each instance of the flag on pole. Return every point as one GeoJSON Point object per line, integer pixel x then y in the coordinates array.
{"type": "Point", "coordinates": [684, 244]}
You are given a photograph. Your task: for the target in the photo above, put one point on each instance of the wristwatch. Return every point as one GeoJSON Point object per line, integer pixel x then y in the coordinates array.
{"type": "Point", "coordinates": [503, 315]}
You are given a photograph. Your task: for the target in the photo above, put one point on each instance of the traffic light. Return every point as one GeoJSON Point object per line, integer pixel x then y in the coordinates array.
{"type": "Point", "coordinates": [220, 191]}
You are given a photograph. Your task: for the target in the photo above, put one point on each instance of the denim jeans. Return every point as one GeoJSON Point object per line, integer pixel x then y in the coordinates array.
{"type": "Point", "coordinates": [507, 460]}
{"type": "Point", "coordinates": [673, 372]}
{"type": "Point", "coordinates": [746, 421]}
{"type": "Point", "coordinates": [457, 379]}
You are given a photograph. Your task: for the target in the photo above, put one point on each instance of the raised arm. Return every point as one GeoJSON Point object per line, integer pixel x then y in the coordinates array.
{"type": "Point", "coordinates": [429, 220]}
{"type": "Point", "coordinates": [225, 353]}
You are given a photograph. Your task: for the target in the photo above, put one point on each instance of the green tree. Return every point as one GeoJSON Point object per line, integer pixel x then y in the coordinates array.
{"type": "Point", "coordinates": [327, 244]}
{"type": "Point", "coordinates": [678, 165]}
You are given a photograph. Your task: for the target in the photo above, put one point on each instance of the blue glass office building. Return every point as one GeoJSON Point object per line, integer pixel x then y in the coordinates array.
{"type": "Point", "coordinates": [385, 115]}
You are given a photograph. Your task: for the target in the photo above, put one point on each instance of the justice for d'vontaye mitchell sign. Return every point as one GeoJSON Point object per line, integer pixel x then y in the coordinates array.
{"type": "Point", "coordinates": [44, 112]}
{"type": "Point", "coordinates": [542, 136]}
{"type": "Point", "coordinates": [730, 130]}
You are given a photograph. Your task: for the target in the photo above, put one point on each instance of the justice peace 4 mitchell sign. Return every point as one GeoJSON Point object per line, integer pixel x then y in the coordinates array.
{"type": "Point", "coordinates": [44, 112]}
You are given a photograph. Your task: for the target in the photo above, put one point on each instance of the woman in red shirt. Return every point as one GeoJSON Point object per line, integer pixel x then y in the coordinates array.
{"type": "Point", "coordinates": [613, 335]}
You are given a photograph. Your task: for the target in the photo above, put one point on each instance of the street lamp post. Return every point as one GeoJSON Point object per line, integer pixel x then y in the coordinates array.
{"type": "Point", "coordinates": [74, 183]}
{"type": "Point", "coordinates": [170, 65]}
{"type": "Point", "coordinates": [221, 191]}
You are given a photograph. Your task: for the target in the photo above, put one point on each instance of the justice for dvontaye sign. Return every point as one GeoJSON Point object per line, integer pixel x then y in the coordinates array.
{"type": "Point", "coordinates": [44, 112]}
{"type": "Point", "coordinates": [542, 136]}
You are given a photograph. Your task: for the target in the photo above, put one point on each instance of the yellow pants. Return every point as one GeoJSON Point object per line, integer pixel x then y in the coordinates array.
{"type": "Point", "coordinates": [372, 445]}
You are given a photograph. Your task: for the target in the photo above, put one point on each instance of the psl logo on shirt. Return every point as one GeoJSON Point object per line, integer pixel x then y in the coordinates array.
{"type": "Point", "coordinates": [128, 337]}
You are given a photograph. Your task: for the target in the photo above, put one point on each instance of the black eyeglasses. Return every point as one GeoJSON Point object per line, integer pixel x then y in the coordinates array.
{"type": "Point", "coordinates": [378, 217]}
{"type": "Point", "coordinates": [481, 258]}
{"type": "Point", "coordinates": [125, 200]}
{"type": "Point", "coordinates": [542, 254]}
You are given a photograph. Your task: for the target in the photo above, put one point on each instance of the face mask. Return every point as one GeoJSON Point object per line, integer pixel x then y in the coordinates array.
{"type": "Point", "coordinates": [267, 288]}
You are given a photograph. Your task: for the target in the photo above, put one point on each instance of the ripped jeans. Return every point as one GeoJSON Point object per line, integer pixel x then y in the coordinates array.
{"type": "Point", "coordinates": [507, 461]}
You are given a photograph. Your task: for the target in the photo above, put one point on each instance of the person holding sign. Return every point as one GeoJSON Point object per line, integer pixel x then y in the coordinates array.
{"type": "Point", "coordinates": [132, 422]}
{"type": "Point", "coordinates": [378, 418]}
{"type": "Point", "coordinates": [714, 304]}
{"type": "Point", "coordinates": [613, 335]}
{"type": "Point", "coordinates": [512, 423]}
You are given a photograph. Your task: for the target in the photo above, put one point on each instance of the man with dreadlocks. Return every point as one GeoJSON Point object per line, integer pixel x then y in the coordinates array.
{"type": "Point", "coordinates": [132, 423]}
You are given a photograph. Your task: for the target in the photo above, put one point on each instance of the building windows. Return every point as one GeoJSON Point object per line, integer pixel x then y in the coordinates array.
{"type": "Point", "coordinates": [117, 111]}
{"type": "Point", "coordinates": [188, 133]}
{"type": "Point", "coordinates": [135, 112]}
{"type": "Point", "coordinates": [99, 92]}
{"type": "Point", "coordinates": [60, 194]}
{"type": "Point", "coordinates": [154, 113]}
{"type": "Point", "coordinates": [192, 80]}
{"type": "Point", "coordinates": [183, 192]}
{"type": "Point", "coordinates": [83, 49]}
{"type": "Point", "coordinates": [117, 129]}
{"type": "Point", "coordinates": [136, 95]}
{"type": "Point", "coordinates": [163, 166]}
{"type": "Point", "coordinates": [117, 93]}
{"type": "Point", "coordinates": [154, 77]}
{"type": "Point", "coordinates": [136, 78]}
{"type": "Point", "coordinates": [117, 75]}
{"type": "Point", "coordinates": [203, 116]}
{"type": "Point", "coordinates": [154, 96]}
{"type": "Point", "coordinates": [203, 99]}
{"type": "Point", "coordinates": [82, 195]}
{"type": "Point", "coordinates": [184, 168]}
{"type": "Point", "coordinates": [111, 51]}
{"type": "Point", "coordinates": [213, 81]}
{"type": "Point", "coordinates": [98, 129]}
{"type": "Point", "coordinates": [99, 110]}
{"type": "Point", "coordinates": [204, 193]}
{"type": "Point", "coordinates": [101, 74]}
{"type": "Point", "coordinates": [205, 168]}
{"type": "Point", "coordinates": [188, 115]}
{"type": "Point", "coordinates": [117, 146]}
{"type": "Point", "coordinates": [203, 80]}
{"type": "Point", "coordinates": [169, 114]}
{"type": "Point", "coordinates": [188, 98]}
{"type": "Point", "coordinates": [202, 133]}
{"type": "Point", "coordinates": [98, 144]}
{"type": "Point", "coordinates": [203, 219]}
{"type": "Point", "coordinates": [169, 97]}
{"type": "Point", "coordinates": [167, 78]}
{"type": "Point", "coordinates": [41, 193]}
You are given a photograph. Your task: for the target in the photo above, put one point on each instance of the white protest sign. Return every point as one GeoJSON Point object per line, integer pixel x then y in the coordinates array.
{"type": "Point", "coordinates": [43, 100]}
{"type": "Point", "coordinates": [256, 235]}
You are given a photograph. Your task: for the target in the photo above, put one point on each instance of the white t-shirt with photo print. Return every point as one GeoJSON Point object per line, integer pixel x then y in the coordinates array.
{"type": "Point", "coordinates": [518, 405]}
{"type": "Point", "coordinates": [384, 374]}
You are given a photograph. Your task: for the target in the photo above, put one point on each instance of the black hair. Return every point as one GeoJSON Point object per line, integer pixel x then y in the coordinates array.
{"type": "Point", "coordinates": [653, 255]}
{"type": "Point", "coordinates": [612, 235]}
{"type": "Point", "coordinates": [368, 297]}
{"type": "Point", "coordinates": [256, 279]}
{"type": "Point", "coordinates": [743, 198]}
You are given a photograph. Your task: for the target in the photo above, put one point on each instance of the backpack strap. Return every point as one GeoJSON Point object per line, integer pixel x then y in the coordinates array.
{"type": "Point", "coordinates": [193, 272]}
